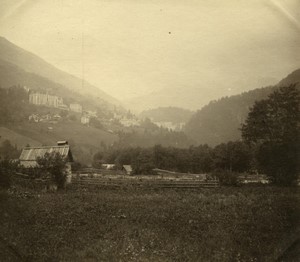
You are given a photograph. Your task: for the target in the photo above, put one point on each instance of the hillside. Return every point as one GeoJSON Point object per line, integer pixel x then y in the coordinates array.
{"type": "Point", "coordinates": [220, 120]}
{"type": "Point", "coordinates": [167, 114]}
{"type": "Point", "coordinates": [16, 139]}
{"type": "Point", "coordinates": [11, 75]}
{"type": "Point", "coordinates": [31, 63]}
{"type": "Point", "coordinates": [20, 68]}
{"type": "Point", "coordinates": [22, 123]}
{"type": "Point", "coordinates": [84, 141]}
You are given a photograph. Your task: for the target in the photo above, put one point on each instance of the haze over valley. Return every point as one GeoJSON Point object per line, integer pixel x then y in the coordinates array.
{"type": "Point", "coordinates": [166, 54]}
{"type": "Point", "coordinates": [173, 74]}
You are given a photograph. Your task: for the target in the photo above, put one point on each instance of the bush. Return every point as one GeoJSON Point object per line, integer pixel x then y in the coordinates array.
{"type": "Point", "coordinates": [6, 168]}
{"type": "Point", "coordinates": [76, 166]}
{"type": "Point", "coordinates": [4, 178]}
{"type": "Point", "coordinates": [226, 177]}
{"type": "Point", "coordinates": [54, 164]}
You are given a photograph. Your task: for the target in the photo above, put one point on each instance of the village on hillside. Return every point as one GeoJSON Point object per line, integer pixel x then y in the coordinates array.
{"type": "Point", "coordinates": [85, 115]}
{"type": "Point", "coordinates": [52, 101]}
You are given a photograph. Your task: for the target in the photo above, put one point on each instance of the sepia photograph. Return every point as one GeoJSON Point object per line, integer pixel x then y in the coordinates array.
{"type": "Point", "coordinates": [150, 130]}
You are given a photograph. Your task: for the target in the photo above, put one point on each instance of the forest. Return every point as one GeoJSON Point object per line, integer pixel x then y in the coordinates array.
{"type": "Point", "coordinates": [269, 145]}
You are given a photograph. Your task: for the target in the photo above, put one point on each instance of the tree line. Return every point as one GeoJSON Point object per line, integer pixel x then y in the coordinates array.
{"type": "Point", "coordinates": [232, 156]}
{"type": "Point", "coordinates": [269, 145]}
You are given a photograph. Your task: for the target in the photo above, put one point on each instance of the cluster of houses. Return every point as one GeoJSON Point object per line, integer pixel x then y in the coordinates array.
{"type": "Point", "coordinates": [48, 118]}
{"type": "Point", "coordinates": [57, 102]}
{"type": "Point", "coordinates": [130, 121]}
{"type": "Point", "coordinates": [46, 100]}
{"type": "Point", "coordinates": [86, 115]}
{"type": "Point", "coordinates": [53, 101]}
{"type": "Point", "coordinates": [170, 125]}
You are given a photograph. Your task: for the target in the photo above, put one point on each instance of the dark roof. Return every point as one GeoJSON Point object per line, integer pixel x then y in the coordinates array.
{"type": "Point", "coordinates": [32, 153]}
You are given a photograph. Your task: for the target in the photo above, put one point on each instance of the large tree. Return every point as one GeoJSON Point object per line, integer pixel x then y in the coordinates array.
{"type": "Point", "coordinates": [232, 156]}
{"type": "Point", "coordinates": [273, 126]}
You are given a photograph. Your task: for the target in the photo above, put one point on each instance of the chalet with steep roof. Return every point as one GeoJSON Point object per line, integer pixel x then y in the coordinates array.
{"type": "Point", "coordinates": [29, 155]}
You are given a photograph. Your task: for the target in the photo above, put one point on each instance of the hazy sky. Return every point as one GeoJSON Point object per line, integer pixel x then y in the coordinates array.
{"type": "Point", "coordinates": [131, 47]}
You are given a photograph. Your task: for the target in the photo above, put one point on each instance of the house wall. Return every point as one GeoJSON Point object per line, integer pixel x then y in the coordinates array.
{"type": "Point", "coordinates": [69, 173]}
{"type": "Point", "coordinates": [45, 99]}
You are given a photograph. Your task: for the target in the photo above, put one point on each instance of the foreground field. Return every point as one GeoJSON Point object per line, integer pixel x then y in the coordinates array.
{"type": "Point", "coordinates": [223, 224]}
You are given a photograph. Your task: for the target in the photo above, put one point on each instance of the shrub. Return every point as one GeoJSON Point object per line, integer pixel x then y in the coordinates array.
{"type": "Point", "coordinates": [4, 178]}
{"type": "Point", "coordinates": [226, 177]}
{"type": "Point", "coordinates": [6, 168]}
{"type": "Point", "coordinates": [54, 165]}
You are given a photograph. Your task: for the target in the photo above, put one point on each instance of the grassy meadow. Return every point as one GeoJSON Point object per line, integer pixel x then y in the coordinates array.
{"type": "Point", "coordinates": [222, 224]}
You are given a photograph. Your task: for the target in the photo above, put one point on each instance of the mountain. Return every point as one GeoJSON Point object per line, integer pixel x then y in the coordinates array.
{"type": "Point", "coordinates": [183, 97]}
{"type": "Point", "coordinates": [31, 63]}
{"type": "Point", "coordinates": [220, 120]}
{"type": "Point", "coordinates": [191, 96]}
{"type": "Point", "coordinates": [167, 114]}
{"type": "Point", "coordinates": [11, 75]}
{"type": "Point", "coordinates": [20, 68]}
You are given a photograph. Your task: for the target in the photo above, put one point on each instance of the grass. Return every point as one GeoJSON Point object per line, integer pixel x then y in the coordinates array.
{"type": "Point", "coordinates": [224, 224]}
{"type": "Point", "coordinates": [81, 134]}
{"type": "Point", "coordinates": [15, 138]}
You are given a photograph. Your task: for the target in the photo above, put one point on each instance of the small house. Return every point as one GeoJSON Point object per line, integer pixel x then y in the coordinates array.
{"type": "Point", "coordinates": [29, 155]}
{"type": "Point", "coordinates": [108, 166]}
{"type": "Point", "coordinates": [34, 118]}
{"type": "Point", "coordinates": [127, 169]}
{"type": "Point", "coordinates": [85, 120]}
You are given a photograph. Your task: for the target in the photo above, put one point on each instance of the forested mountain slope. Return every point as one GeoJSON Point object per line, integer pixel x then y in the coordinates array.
{"type": "Point", "coordinates": [220, 120]}
{"type": "Point", "coordinates": [31, 63]}
{"type": "Point", "coordinates": [12, 75]}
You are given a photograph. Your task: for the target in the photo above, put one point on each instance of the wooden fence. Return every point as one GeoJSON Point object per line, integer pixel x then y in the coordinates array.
{"type": "Point", "coordinates": [118, 182]}
{"type": "Point", "coordinates": [146, 183]}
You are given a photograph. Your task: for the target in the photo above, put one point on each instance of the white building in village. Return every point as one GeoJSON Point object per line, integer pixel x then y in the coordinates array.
{"type": "Point", "coordinates": [129, 122]}
{"type": "Point", "coordinates": [85, 120]}
{"type": "Point", "coordinates": [170, 125]}
{"type": "Point", "coordinates": [46, 100]}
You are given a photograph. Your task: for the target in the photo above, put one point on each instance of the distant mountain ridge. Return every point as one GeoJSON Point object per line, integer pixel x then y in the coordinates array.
{"type": "Point", "coordinates": [194, 96]}
{"type": "Point", "coordinates": [184, 97]}
{"type": "Point", "coordinates": [220, 120]}
{"type": "Point", "coordinates": [31, 63]}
